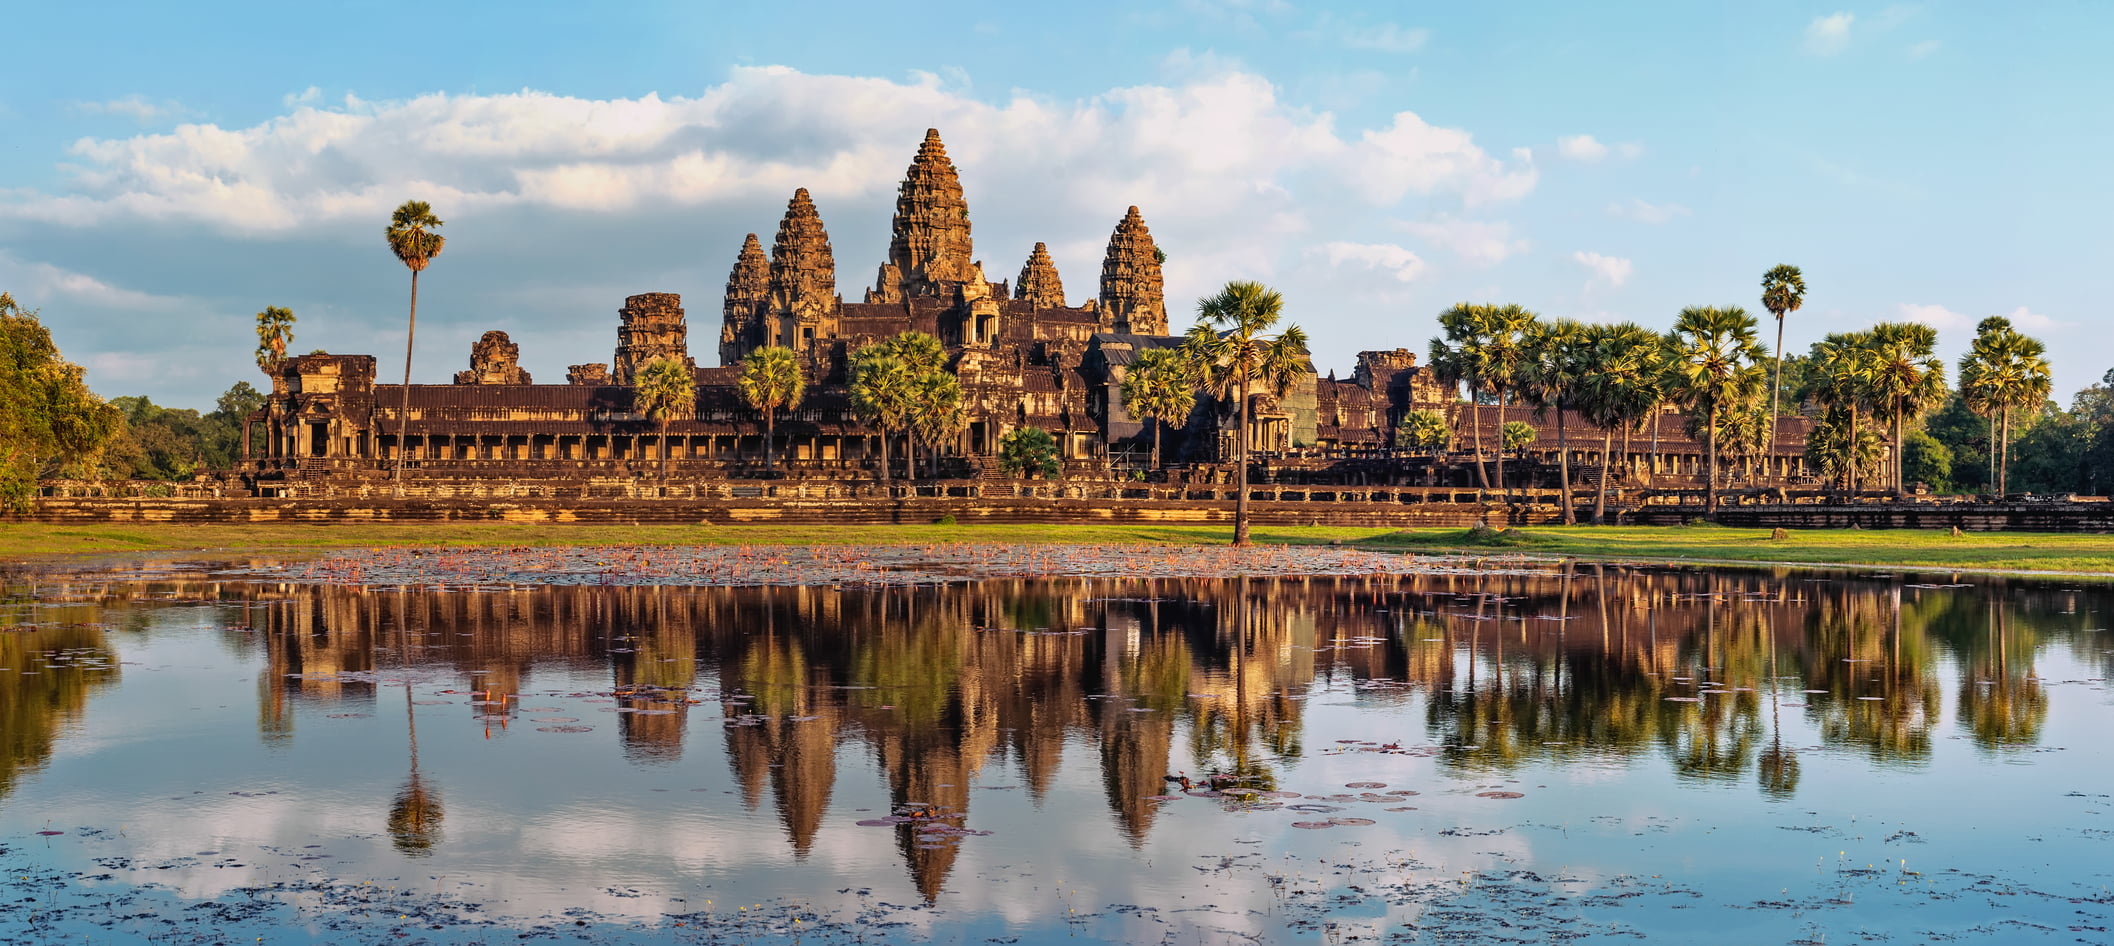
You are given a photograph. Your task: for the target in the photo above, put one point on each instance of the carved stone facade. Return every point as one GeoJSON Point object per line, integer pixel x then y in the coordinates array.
{"type": "Point", "coordinates": [495, 359]}
{"type": "Point", "coordinates": [596, 374]}
{"type": "Point", "coordinates": [1133, 295]}
{"type": "Point", "coordinates": [802, 301]}
{"type": "Point", "coordinates": [1038, 284]}
{"type": "Point", "coordinates": [931, 251]}
{"type": "Point", "coordinates": [748, 287]}
{"type": "Point", "coordinates": [652, 329]}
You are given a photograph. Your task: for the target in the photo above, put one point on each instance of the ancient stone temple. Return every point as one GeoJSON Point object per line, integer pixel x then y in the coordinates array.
{"type": "Point", "coordinates": [1038, 284]}
{"type": "Point", "coordinates": [931, 251]}
{"type": "Point", "coordinates": [801, 302]}
{"type": "Point", "coordinates": [748, 287]}
{"type": "Point", "coordinates": [495, 359]}
{"type": "Point", "coordinates": [1131, 289]}
{"type": "Point", "coordinates": [651, 329]}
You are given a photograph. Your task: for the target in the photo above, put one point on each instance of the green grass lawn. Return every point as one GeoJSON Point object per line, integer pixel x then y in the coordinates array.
{"type": "Point", "coordinates": [2001, 550]}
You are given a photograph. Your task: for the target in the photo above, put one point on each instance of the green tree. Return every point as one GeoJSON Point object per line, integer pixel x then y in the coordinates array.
{"type": "Point", "coordinates": [1927, 461]}
{"type": "Point", "coordinates": [49, 421]}
{"type": "Point", "coordinates": [937, 416]}
{"type": "Point", "coordinates": [1715, 368]}
{"type": "Point", "coordinates": [230, 410]}
{"type": "Point", "coordinates": [1844, 364]}
{"type": "Point", "coordinates": [2003, 371]}
{"type": "Point", "coordinates": [1160, 388]}
{"type": "Point", "coordinates": [1840, 449]}
{"type": "Point", "coordinates": [1229, 345]}
{"type": "Point", "coordinates": [1553, 366]}
{"type": "Point", "coordinates": [1502, 358]}
{"type": "Point", "coordinates": [771, 381]}
{"type": "Point", "coordinates": [1454, 362]}
{"type": "Point", "coordinates": [1518, 434]}
{"type": "Point", "coordinates": [1424, 430]}
{"type": "Point", "coordinates": [1956, 426]}
{"type": "Point", "coordinates": [275, 331]}
{"type": "Point", "coordinates": [1783, 291]}
{"type": "Point", "coordinates": [665, 389]}
{"type": "Point", "coordinates": [881, 389]}
{"type": "Point", "coordinates": [1028, 452]}
{"type": "Point", "coordinates": [414, 237]}
{"type": "Point", "coordinates": [1907, 381]}
{"type": "Point", "coordinates": [1620, 386]}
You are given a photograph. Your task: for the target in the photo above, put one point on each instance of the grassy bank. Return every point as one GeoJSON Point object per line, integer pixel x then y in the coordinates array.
{"type": "Point", "coordinates": [1884, 548]}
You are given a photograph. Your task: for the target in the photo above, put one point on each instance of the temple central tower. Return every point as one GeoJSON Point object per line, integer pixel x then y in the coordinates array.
{"type": "Point", "coordinates": [931, 251]}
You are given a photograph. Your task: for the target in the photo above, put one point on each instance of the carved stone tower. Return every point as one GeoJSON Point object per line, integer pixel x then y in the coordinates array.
{"type": "Point", "coordinates": [1132, 295]}
{"type": "Point", "coordinates": [652, 329]}
{"type": "Point", "coordinates": [748, 286]}
{"type": "Point", "coordinates": [495, 359]}
{"type": "Point", "coordinates": [802, 293]}
{"type": "Point", "coordinates": [1038, 281]}
{"type": "Point", "coordinates": [931, 249]}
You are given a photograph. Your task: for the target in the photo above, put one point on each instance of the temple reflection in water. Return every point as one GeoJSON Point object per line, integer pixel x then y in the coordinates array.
{"type": "Point", "coordinates": [944, 687]}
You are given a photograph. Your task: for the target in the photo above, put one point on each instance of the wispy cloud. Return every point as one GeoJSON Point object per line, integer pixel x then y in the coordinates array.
{"type": "Point", "coordinates": [1404, 265]}
{"type": "Point", "coordinates": [1830, 34]}
{"type": "Point", "coordinates": [1581, 148]}
{"type": "Point", "coordinates": [1480, 241]}
{"type": "Point", "coordinates": [135, 107]}
{"type": "Point", "coordinates": [1610, 270]}
{"type": "Point", "coordinates": [1646, 212]}
{"type": "Point", "coordinates": [1947, 320]}
{"type": "Point", "coordinates": [306, 96]}
{"type": "Point", "coordinates": [1387, 38]}
{"type": "Point", "coordinates": [1924, 49]}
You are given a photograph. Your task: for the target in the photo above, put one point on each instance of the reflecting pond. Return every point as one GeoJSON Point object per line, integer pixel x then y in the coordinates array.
{"type": "Point", "coordinates": [1572, 753]}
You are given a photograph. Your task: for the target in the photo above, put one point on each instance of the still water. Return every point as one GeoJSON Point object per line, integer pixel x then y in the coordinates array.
{"type": "Point", "coordinates": [1594, 754]}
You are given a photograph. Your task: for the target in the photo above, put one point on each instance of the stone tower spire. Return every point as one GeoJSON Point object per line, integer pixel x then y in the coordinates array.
{"type": "Point", "coordinates": [1133, 298]}
{"type": "Point", "coordinates": [748, 286]}
{"type": "Point", "coordinates": [1038, 281]}
{"type": "Point", "coordinates": [651, 328]}
{"type": "Point", "coordinates": [803, 283]}
{"type": "Point", "coordinates": [931, 246]}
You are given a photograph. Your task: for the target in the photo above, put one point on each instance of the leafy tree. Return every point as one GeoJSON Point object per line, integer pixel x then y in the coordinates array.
{"type": "Point", "coordinates": [1424, 430]}
{"type": "Point", "coordinates": [2052, 453]}
{"type": "Point", "coordinates": [275, 331]}
{"type": "Point", "coordinates": [1229, 346]}
{"type": "Point", "coordinates": [1714, 368]}
{"type": "Point", "coordinates": [1501, 354]}
{"type": "Point", "coordinates": [1925, 460]}
{"type": "Point", "coordinates": [1956, 427]}
{"type": "Point", "coordinates": [1907, 381]}
{"type": "Point", "coordinates": [1623, 383]}
{"type": "Point", "coordinates": [157, 443]}
{"type": "Point", "coordinates": [1517, 435]}
{"type": "Point", "coordinates": [1844, 364]}
{"type": "Point", "coordinates": [2003, 371]}
{"type": "Point", "coordinates": [1029, 452]}
{"type": "Point", "coordinates": [49, 421]}
{"type": "Point", "coordinates": [414, 237]}
{"type": "Point", "coordinates": [665, 389]}
{"type": "Point", "coordinates": [1454, 362]}
{"type": "Point", "coordinates": [771, 381]}
{"type": "Point", "coordinates": [1840, 449]}
{"type": "Point", "coordinates": [233, 406]}
{"type": "Point", "coordinates": [1160, 388]}
{"type": "Point", "coordinates": [881, 388]}
{"type": "Point", "coordinates": [1554, 363]}
{"type": "Point", "coordinates": [1783, 291]}
{"type": "Point", "coordinates": [937, 416]}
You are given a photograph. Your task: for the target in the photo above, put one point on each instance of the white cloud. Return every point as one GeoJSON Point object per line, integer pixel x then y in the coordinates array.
{"type": "Point", "coordinates": [1830, 34]}
{"type": "Point", "coordinates": [135, 107]}
{"type": "Point", "coordinates": [1936, 316]}
{"type": "Point", "coordinates": [1581, 148]}
{"type": "Point", "coordinates": [2026, 321]}
{"type": "Point", "coordinates": [306, 96]}
{"type": "Point", "coordinates": [1404, 265]}
{"type": "Point", "coordinates": [1611, 270]}
{"type": "Point", "coordinates": [1923, 49]}
{"type": "Point", "coordinates": [1413, 156]}
{"type": "Point", "coordinates": [1386, 38]}
{"type": "Point", "coordinates": [1480, 241]}
{"type": "Point", "coordinates": [34, 282]}
{"type": "Point", "coordinates": [1645, 212]}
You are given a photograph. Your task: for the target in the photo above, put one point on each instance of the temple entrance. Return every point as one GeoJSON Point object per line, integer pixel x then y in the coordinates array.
{"type": "Point", "coordinates": [319, 440]}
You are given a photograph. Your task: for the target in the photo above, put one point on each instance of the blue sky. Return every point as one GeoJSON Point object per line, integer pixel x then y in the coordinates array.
{"type": "Point", "coordinates": [165, 174]}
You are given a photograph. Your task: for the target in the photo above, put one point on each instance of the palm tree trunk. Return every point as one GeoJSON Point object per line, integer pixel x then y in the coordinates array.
{"type": "Point", "coordinates": [1563, 467]}
{"type": "Point", "coordinates": [884, 457]}
{"type": "Point", "coordinates": [770, 440]}
{"type": "Point", "coordinates": [1475, 420]}
{"type": "Point", "coordinates": [1600, 497]}
{"type": "Point", "coordinates": [1655, 439]}
{"type": "Point", "coordinates": [1710, 466]}
{"type": "Point", "coordinates": [1900, 452]}
{"type": "Point", "coordinates": [1156, 425]}
{"type": "Point", "coordinates": [1776, 385]}
{"type": "Point", "coordinates": [667, 460]}
{"type": "Point", "coordinates": [1849, 455]}
{"type": "Point", "coordinates": [1240, 501]}
{"type": "Point", "coordinates": [1501, 441]}
{"type": "Point", "coordinates": [2004, 457]}
{"type": "Point", "coordinates": [403, 417]}
{"type": "Point", "coordinates": [1992, 458]}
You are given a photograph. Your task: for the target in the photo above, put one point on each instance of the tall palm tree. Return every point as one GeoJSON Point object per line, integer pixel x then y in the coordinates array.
{"type": "Point", "coordinates": [936, 413]}
{"type": "Point", "coordinates": [2004, 370]}
{"type": "Point", "coordinates": [275, 331]}
{"type": "Point", "coordinates": [1457, 359]}
{"type": "Point", "coordinates": [771, 381]}
{"type": "Point", "coordinates": [1229, 344]}
{"type": "Point", "coordinates": [1503, 360]}
{"type": "Point", "coordinates": [922, 354]}
{"type": "Point", "coordinates": [881, 388]}
{"type": "Point", "coordinates": [1553, 367]}
{"type": "Point", "coordinates": [1841, 380]}
{"type": "Point", "coordinates": [1715, 367]}
{"type": "Point", "coordinates": [414, 237]}
{"type": "Point", "coordinates": [1619, 386]}
{"type": "Point", "coordinates": [1908, 380]}
{"type": "Point", "coordinates": [665, 389]}
{"type": "Point", "coordinates": [1783, 291]}
{"type": "Point", "coordinates": [1160, 388]}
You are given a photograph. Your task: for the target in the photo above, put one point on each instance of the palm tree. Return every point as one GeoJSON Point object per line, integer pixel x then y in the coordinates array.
{"type": "Point", "coordinates": [1783, 291]}
{"type": "Point", "coordinates": [1908, 380]}
{"type": "Point", "coordinates": [275, 332]}
{"type": "Point", "coordinates": [1228, 344]}
{"type": "Point", "coordinates": [665, 388]}
{"type": "Point", "coordinates": [1715, 365]}
{"type": "Point", "coordinates": [413, 237]}
{"type": "Point", "coordinates": [1502, 361]}
{"type": "Point", "coordinates": [1160, 388]}
{"type": "Point", "coordinates": [771, 381]}
{"type": "Point", "coordinates": [1619, 386]}
{"type": "Point", "coordinates": [1424, 430]}
{"type": "Point", "coordinates": [1841, 380]}
{"type": "Point", "coordinates": [936, 414]}
{"type": "Point", "coordinates": [1457, 363]}
{"type": "Point", "coordinates": [881, 388]}
{"type": "Point", "coordinates": [1553, 367]}
{"type": "Point", "coordinates": [922, 354]}
{"type": "Point", "coordinates": [2002, 371]}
